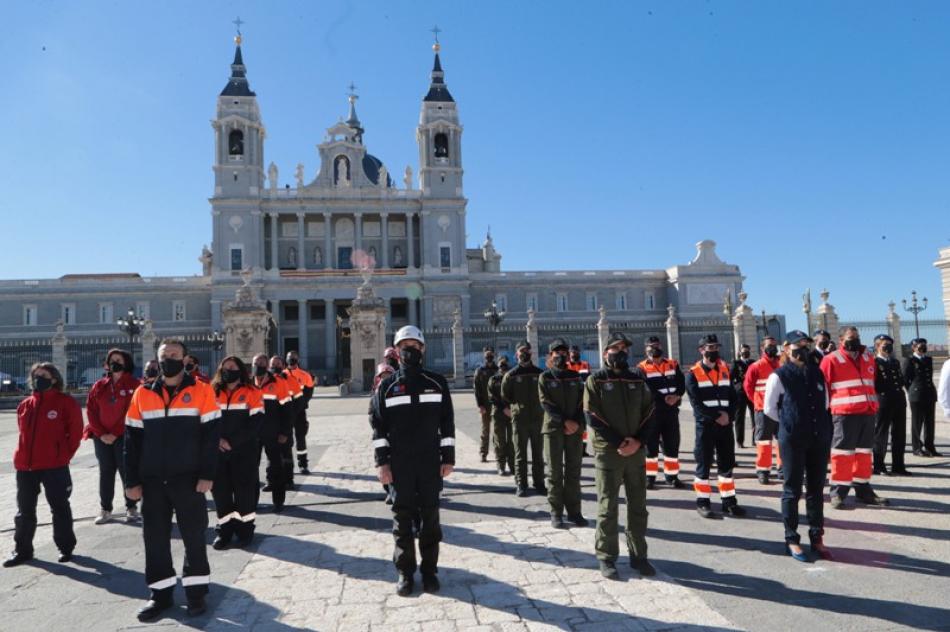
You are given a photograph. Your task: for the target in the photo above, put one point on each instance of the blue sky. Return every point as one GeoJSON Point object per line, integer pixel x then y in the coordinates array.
{"type": "Point", "coordinates": [809, 139]}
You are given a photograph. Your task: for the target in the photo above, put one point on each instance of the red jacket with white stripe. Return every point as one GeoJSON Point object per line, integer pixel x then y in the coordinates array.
{"type": "Point", "coordinates": [50, 426]}
{"type": "Point", "coordinates": [850, 382]}
{"type": "Point", "coordinates": [755, 379]}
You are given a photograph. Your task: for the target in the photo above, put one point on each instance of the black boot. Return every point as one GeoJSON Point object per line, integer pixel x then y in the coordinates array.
{"type": "Point", "coordinates": [557, 521]}
{"type": "Point", "coordinates": [153, 609]}
{"type": "Point", "coordinates": [609, 570]}
{"type": "Point", "coordinates": [651, 482]}
{"type": "Point", "coordinates": [430, 583]}
{"type": "Point", "coordinates": [196, 606]}
{"type": "Point", "coordinates": [16, 559]}
{"type": "Point", "coordinates": [643, 565]}
{"type": "Point", "coordinates": [404, 585]}
{"type": "Point", "coordinates": [578, 520]}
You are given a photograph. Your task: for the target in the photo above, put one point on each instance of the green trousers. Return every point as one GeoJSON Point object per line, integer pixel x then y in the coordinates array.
{"type": "Point", "coordinates": [528, 431]}
{"type": "Point", "coordinates": [486, 432]}
{"type": "Point", "coordinates": [610, 472]}
{"type": "Point", "coordinates": [504, 446]}
{"type": "Point", "coordinates": [562, 458]}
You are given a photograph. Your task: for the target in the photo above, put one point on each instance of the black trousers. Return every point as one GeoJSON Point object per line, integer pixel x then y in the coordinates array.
{"type": "Point", "coordinates": [715, 441]}
{"type": "Point", "coordinates": [665, 430]}
{"type": "Point", "coordinates": [891, 418]}
{"type": "Point", "coordinates": [742, 406]}
{"type": "Point", "coordinates": [416, 484]}
{"type": "Point", "coordinates": [275, 471]}
{"type": "Point", "coordinates": [301, 426]}
{"type": "Point", "coordinates": [111, 460]}
{"type": "Point", "coordinates": [804, 463]}
{"type": "Point", "coordinates": [922, 425]}
{"type": "Point", "coordinates": [160, 499]}
{"type": "Point", "coordinates": [235, 491]}
{"type": "Point", "coordinates": [58, 486]}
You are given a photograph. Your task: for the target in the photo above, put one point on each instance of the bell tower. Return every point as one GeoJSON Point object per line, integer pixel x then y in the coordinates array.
{"type": "Point", "coordinates": [439, 136]}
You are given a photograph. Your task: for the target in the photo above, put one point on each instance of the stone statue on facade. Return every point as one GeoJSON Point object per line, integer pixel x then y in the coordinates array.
{"type": "Point", "coordinates": [383, 177]}
{"type": "Point", "coordinates": [407, 178]}
{"type": "Point", "coordinates": [397, 256]}
{"type": "Point", "coordinates": [299, 175]}
{"type": "Point", "coordinates": [206, 260]}
{"type": "Point", "coordinates": [272, 176]}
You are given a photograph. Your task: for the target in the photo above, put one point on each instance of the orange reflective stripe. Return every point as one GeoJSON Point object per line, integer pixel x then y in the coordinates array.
{"type": "Point", "coordinates": [842, 469]}
{"type": "Point", "coordinates": [863, 467]}
{"type": "Point", "coordinates": [653, 466]}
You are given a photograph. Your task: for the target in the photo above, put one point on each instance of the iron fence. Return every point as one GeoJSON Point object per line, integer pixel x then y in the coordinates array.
{"type": "Point", "coordinates": [936, 331]}
{"type": "Point", "coordinates": [85, 358]}
{"type": "Point", "coordinates": [16, 358]}
{"type": "Point", "coordinates": [692, 329]}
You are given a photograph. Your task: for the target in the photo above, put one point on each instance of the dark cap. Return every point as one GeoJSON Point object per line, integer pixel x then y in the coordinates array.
{"type": "Point", "coordinates": [880, 337]}
{"type": "Point", "coordinates": [522, 345]}
{"type": "Point", "coordinates": [575, 348]}
{"type": "Point", "coordinates": [557, 343]}
{"type": "Point", "coordinates": [616, 338]}
{"type": "Point", "coordinates": [796, 335]}
{"type": "Point", "coordinates": [653, 340]}
{"type": "Point", "coordinates": [503, 360]}
{"type": "Point", "coordinates": [488, 349]}
{"type": "Point", "coordinates": [709, 339]}
{"type": "Point", "coordinates": [822, 332]}
{"type": "Point", "coordinates": [918, 341]}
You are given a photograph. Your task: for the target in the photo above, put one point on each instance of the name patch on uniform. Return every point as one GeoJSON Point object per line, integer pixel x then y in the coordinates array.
{"type": "Point", "coordinates": [52, 414]}
{"type": "Point", "coordinates": [186, 398]}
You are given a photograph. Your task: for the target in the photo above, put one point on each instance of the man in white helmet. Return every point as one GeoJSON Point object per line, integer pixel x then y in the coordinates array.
{"type": "Point", "coordinates": [414, 439]}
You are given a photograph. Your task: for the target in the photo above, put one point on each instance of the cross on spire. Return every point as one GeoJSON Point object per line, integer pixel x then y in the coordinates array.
{"type": "Point", "coordinates": [352, 90]}
{"type": "Point", "coordinates": [435, 30]}
{"type": "Point", "coordinates": [237, 23]}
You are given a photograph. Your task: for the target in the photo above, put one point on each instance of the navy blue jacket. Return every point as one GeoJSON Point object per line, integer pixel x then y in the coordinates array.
{"type": "Point", "coordinates": [803, 410]}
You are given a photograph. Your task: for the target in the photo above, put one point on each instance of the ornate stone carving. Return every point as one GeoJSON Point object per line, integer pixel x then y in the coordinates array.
{"type": "Point", "coordinates": [206, 260]}
{"type": "Point", "coordinates": [299, 175]}
{"type": "Point", "coordinates": [272, 176]}
{"type": "Point", "coordinates": [407, 178]}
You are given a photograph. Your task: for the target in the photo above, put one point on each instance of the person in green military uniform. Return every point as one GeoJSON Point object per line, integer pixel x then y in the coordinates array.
{"type": "Point", "coordinates": [619, 409]}
{"type": "Point", "coordinates": [482, 375]}
{"type": "Point", "coordinates": [562, 397]}
{"type": "Point", "coordinates": [519, 389]}
{"type": "Point", "coordinates": [501, 421]}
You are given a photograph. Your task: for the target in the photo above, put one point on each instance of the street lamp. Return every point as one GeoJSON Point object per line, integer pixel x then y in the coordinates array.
{"type": "Point", "coordinates": [494, 318]}
{"type": "Point", "coordinates": [914, 309]}
{"type": "Point", "coordinates": [131, 325]}
{"type": "Point", "coordinates": [217, 343]}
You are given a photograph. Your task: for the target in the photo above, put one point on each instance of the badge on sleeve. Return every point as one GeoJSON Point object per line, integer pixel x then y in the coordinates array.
{"type": "Point", "coordinates": [52, 414]}
{"type": "Point", "coordinates": [186, 398]}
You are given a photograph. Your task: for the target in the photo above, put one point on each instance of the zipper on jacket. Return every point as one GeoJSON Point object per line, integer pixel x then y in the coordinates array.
{"type": "Point", "coordinates": [36, 411]}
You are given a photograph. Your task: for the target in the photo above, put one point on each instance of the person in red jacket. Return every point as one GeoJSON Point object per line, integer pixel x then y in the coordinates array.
{"type": "Point", "coordinates": [50, 424]}
{"type": "Point", "coordinates": [849, 372]}
{"type": "Point", "coordinates": [193, 368]}
{"type": "Point", "coordinates": [765, 429]}
{"type": "Point", "coordinates": [106, 406]}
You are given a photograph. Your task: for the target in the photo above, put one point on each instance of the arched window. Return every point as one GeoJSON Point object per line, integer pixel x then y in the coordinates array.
{"type": "Point", "coordinates": [236, 143]}
{"type": "Point", "coordinates": [341, 169]}
{"type": "Point", "coordinates": [441, 145]}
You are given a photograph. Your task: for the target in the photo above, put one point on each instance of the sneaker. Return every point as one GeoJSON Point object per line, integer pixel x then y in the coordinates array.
{"type": "Point", "coordinates": [104, 517]}
{"type": "Point", "coordinates": [16, 559]}
{"type": "Point", "coordinates": [430, 583]}
{"type": "Point", "coordinates": [152, 610]}
{"type": "Point", "coordinates": [404, 585]}
{"type": "Point", "coordinates": [196, 606]}
{"type": "Point", "coordinates": [132, 515]}
{"type": "Point", "coordinates": [643, 565]}
{"type": "Point", "coordinates": [763, 478]}
{"type": "Point", "coordinates": [734, 510]}
{"type": "Point", "coordinates": [609, 570]}
{"type": "Point", "coordinates": [837, 502]}
{"type": "Point", "coordinates": [521, 492]}
{"type": "Point", "coordinates": [557, 521]}
{"type": "Point", "coordinates": [578, 520]}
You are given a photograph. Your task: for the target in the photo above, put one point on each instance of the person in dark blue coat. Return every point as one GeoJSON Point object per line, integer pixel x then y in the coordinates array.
{"type": "Point", "coordinates": [797, 397]}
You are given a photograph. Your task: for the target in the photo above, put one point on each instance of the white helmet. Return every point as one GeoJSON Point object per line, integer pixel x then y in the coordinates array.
{"type": "Point", "coordinates": [408, 333]}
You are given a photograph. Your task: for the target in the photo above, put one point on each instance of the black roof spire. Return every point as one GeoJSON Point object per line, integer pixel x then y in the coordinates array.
{"type": "Point", "coordinates": [237, 85]}
{"type": "Point", "coordinates": [437, 89]}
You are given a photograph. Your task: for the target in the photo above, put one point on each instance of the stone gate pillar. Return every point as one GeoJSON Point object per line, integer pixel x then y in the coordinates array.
{"type": "Point", "coordinates": [59, 359]}
{"type": "Point", "coordinates": [827, 318]}
{"type": "Point", "coordinates": [147, 340]}
{"type": "Point", "coordinates": [246, 322]}
{"type": "Point", "coordinates": [367, 336]}
{"type": "Point", "coordinates": [943, 264]}
{"type": "Point", "coordinates": [458, 349]}
{"type": "Point", "coordinates": [894, 329]}
{"type": "Point", "coordinates": [531, 335]}
{"type": "Point", "coordinates": [673, 334]}
{"type": "Point", "coordinates": [744, 327]}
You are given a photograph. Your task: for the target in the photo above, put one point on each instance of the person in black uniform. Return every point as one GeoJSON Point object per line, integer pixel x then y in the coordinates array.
{"type": "Point", "coordinates": [414, 441]}
{"type": "Point", "coordinates": [739, 368]}
{"type": "Point", "coordinates": [918, 372]}
{"type": "Point", "coordinates": [823, 346]}
{"type": "Point", "coordinates": [892, 412]}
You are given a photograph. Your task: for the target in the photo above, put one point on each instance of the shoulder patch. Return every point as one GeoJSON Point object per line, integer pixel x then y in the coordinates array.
{"type": "Point", "coordinates": [52, 414]}
{"type": "Point", "coordinates": [186, 397]}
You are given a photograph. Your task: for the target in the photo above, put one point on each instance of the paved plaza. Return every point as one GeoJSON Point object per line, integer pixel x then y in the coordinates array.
{"type": "Point", "coordinates": [325, 563]}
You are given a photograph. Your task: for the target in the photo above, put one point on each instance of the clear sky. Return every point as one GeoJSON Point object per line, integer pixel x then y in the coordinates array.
{"type": "Point", "coordinates": [809, 139]}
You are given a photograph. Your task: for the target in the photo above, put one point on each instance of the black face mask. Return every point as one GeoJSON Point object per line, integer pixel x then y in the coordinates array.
{"type": "Point", "coordinates": [260, 371]}
{"type": "Point", "coordinates": [489, 359]}
{"type": "Point", "coordinates": [745, 355]}
{"type": "Point", "coordinates": [655, 352]}
{"type": "Point", "coordinates": [151, 372]}
{"type": "Point", "coordinates": [524, 357]}
{"type": "Point", "coordinates": [800, 354]}
{"type": "Point", "coordinates": [824, 344]}
{"type": "Point", "coordinates": [171, 368]}
{"type": "Point", "coordinates": [711, 356]}
{"type": "Point", "coordinates": [292, 362]}
{"type": "Point", "coordinates": [559, 361]}
{"type": "Point", "coordinates": [617, 360]}
{"type": "Point", "coordinates": [117, 367]}
{"type": "Point", "coordinates": [189, 367]}
{"type": "Point", "coordinates": [41, 384]}
{"type": "Point", "coordinates": [888, 348]}
{"type": "Point", "coordinates": [410, 357]}
{"type": "Point", "coordinates": [771, 351]}
{"type": "Point", "coordinates": [503, 368]}
{"type": "Point", "coordinates": [230, 376]}
{"type": "Point", "coordinates": [922, 349]}
{"type": "Point", "coordinates": [852, 344]}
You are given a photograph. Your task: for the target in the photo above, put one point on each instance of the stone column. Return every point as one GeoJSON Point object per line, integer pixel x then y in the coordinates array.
{"type": "Point", "coordinates": [413, 312]}
{"type": "Point", "coordinates": [59, 358]}
{"type": "Point", "coordinates": [301, 253]}
{"type": "Point", "coordinates": [384, 226]}
{"type": "Point", "coordinates": [148, 342]}
{"type": "Point", "coordinates": [458, 349]}
{"type": "Point", "coordinates": [894, 329]}
{"type": "Point", "coordinates": [329, 257]}
{"type": "Point", "coordinates": [531, 334]}
{"type": "Point", "coordinates": [275, 316]}
{"type": "Point", "coordinates": [603, 332]}
{"type": "Point", "coordinates": [410, 243]}
{"type": "Point", "coordinates": [357, 231]}
{"type": "Point", "coordinates": [827, 318]}
{"type": "Point", "coordinates": [367, 337]}
{"type": "Point", "coordinates": [673, 334]}
{"type": "Point", "coordinates": [303, 319]}
{"type": "Point", "coordinates": [246, 323]}
{"type": "Point", "coordinates": [943, 264]}
{"type": "Point", "coordinates": [329, 338]}
{"type": "Point", "coordinates": [744, 326]}
{"type": "Point", "coordinates": [274, 254]}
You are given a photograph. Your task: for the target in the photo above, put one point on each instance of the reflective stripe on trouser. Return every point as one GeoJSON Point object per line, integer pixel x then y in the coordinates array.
{"type": "Point", "coordinates": [416, 486]}
{"type": "Point", "coordinates": [666, 433]}
{"type": "Point", "coordinates": [161, 499]}
{"type": "Point", "coordinates": [562, 459]}
{"type": "Point", "coordinates": [503, 441]}
{"type": "Point", "coordinates": [611, 471]}
{"type": "Point", "coordinates": [528, 432]}
{"type": "Point", "coordinates": [301, 427]}
{"type": "Point", "coordinates": [714, 442]}
{"type": "Point", "coordinates": [765, 431]}
{"type": "Point", "coordinates": [853, 435]}
{"type": "Point", "coordinates": [235, 491]}
{"type": "Point", "coordinates": [486, 433]}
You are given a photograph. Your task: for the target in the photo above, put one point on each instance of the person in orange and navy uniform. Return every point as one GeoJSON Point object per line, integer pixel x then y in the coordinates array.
{"type": "Point", "coordinates": [714, 403]}
{"type": "Point", "coordinates": [106, 405]}
{"type": "Point", "coordinates": [765, 428]}
{"type": "Point", "coordinates": [849, 372]}
{"type": "Point", "coordinates": [301, 425]}
{"type": "Point", "coordinates": [666, 382]}
{"type": "Point", "coordinates": [236, 483]}
{"type": "Point", "coordinates": [50, 425]}
{"type": "Point", "coordinates": [193, 368]}
{"type": "Point", "coordinates": [279, 370]}
{"type": "Point", "coordinates": [276, 430]}
{"type": "Point", "coordinates": [171, 456]}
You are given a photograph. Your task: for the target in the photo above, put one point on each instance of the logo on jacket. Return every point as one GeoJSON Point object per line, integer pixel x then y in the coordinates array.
{"type": "Point", "coordinates": [608, 386]}
{"type": "Point", "coordinates": [52, 414]}
{"type": "Point", "coordinates": [241, 398]}
{"type": "Point", "coordinates": [186, 398]}
{"type": "Point", "coordinates": [122, 393]}
{"type": "Point", "coordinates": [398, 388]}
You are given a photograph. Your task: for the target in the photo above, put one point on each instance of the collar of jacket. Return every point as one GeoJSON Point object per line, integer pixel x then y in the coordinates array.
{"type": "Point", "coordinates": [159, 384]}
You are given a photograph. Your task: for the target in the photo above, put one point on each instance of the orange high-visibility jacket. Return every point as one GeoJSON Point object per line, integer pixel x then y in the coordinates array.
{"type": "Point", "coordinates": [850, 382]}
{"type": "Point", "coordinates": [755, 379]}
